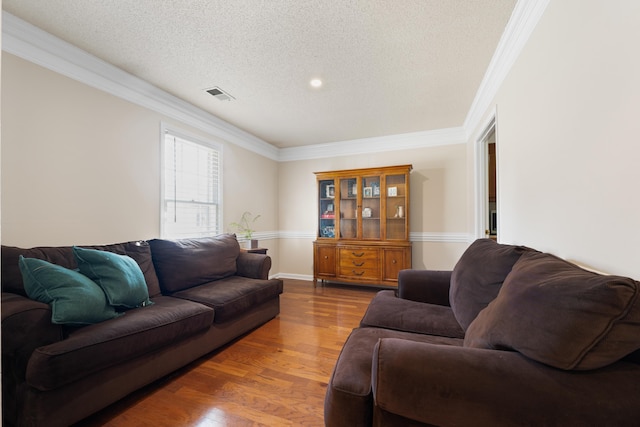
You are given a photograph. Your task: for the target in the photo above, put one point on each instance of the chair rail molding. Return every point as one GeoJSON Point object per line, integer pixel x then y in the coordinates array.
{"type": "Point", "coordinates": [438, 237]}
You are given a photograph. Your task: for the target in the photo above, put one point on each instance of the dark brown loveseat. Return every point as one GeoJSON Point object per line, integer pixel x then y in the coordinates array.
{"type": "Point", "coordinates": [204, 292]}
{"type": "Point", "coordinates": [510, 337]}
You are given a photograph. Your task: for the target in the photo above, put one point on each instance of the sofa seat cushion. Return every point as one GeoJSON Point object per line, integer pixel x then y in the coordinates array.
{"type": "Point", "coordinates": [184, 263]}
{"type": "Point", "coordinates": [478, 276]}
{"type": "Point", "coordinates": [559, 314]}
{"type": "Point", "coordinates": [349, 398]}
{"type": "Point", "coordinates": [92, 348]}
{"type": "Point", "coordinates": [232, 296]}
{"type": "Point", "coordinates": [386, 310]}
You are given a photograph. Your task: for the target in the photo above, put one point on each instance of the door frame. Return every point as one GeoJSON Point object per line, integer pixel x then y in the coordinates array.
{"type": "Point", "coordinates": [481, 156]}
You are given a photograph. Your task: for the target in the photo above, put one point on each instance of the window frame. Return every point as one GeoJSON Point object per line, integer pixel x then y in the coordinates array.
{"type": "Point", "coordinates": [199, 140]}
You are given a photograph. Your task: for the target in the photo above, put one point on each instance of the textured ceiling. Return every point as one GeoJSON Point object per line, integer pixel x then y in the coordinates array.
{"type": "Point", "coordinates": [388, 66]}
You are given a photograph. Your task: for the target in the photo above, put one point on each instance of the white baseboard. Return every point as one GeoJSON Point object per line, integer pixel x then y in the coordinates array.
{"type": "Point", "coordinates": [305, 277]}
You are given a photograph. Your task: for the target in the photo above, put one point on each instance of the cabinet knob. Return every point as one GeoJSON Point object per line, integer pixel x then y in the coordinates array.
{"type": "Point", "coordinates": [393, 261]}
{"type": "Point", "coordinates": [326, 257]}
{"type": "Point", "coordinates": [358, 255]}
{"type": "Point", "coordinates": [358, 264]}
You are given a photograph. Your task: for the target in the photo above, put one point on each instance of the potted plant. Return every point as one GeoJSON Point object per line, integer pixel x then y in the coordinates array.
{"type": "Point", "coordinates": [244, 228]}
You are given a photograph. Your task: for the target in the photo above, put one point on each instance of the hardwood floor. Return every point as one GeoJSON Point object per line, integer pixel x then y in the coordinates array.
{"type": "Point", "coordinates": [274, 376]}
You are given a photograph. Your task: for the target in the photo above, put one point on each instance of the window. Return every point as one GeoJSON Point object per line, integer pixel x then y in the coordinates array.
{"type": "Point", "coordinates": [191, 202]}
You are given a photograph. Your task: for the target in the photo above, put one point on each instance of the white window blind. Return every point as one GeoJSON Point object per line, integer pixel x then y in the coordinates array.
{"type": "Point", "coordinates": [191, 193]}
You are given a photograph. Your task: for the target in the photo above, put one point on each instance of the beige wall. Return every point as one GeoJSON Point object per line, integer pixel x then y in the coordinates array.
{"type": "Point", "coordinates": [567, 130]}
{"type": "Point", "coordinates": [80, 166]}
{"type": "Point", "coordinates": [250, 183]}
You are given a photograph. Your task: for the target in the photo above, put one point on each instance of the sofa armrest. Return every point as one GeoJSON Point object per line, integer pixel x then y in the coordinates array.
{"type": "Point", "coordinates": [449, 385]}
{"type": "Point", "coordinates": [26, 325]}
{"type": "Point", "coordinates": [254, 266]}
{"type": "Point", "coordinates": [429, 286]}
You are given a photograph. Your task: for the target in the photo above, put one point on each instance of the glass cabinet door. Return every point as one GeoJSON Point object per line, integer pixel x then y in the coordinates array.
{"type": "Point", "coordinates": [371, 207]}
{"type": "Point", "coordinates": [327, 209]}
{"type": "Point", "coordinates": [396, 214]}
{"type": "Point", "coordinates": [348, 208]}
{"type": "Point", "coordinates": [368, 204]}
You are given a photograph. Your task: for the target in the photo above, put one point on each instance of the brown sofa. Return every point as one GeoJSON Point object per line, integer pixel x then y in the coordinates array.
{"type": "Point", "coordinates": [510, 337]}
{"type": "Point", "coordinates": [204, 293]}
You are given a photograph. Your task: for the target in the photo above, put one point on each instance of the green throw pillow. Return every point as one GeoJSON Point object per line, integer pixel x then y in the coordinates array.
{"type": "Point", "coordinates": [74, 298]}
{"type": "Point", "coordinates": [119, 276]}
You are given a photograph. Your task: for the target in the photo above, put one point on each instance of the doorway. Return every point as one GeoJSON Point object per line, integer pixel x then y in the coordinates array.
{"type": "Point", "coordinates": [491, 229]}
{"type": "Point", "coordinates": [486, 182]}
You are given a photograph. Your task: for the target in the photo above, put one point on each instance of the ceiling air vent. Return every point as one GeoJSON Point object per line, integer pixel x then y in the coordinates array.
{"type": "Point", "coordinates": [219, 94]}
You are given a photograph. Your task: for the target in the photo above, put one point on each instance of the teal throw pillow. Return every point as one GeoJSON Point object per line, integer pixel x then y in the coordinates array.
{"type": "Point", "coordinates": [119, 276]}
{"type": "Point", "coordinates": [74, 298]}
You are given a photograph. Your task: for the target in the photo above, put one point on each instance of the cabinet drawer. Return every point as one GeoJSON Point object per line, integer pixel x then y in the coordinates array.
{"type": "Point", "coordinates": [358, 255]}
{"type": "Point", "coordinates": [361, 263]}
{"type": "Point", "coordinates": [369, 263]}
{"type": "Point", "coordinates": [360, 273]}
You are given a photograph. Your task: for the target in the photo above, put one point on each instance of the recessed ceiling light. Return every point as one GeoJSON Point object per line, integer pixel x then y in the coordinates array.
{"type": "Point", "coordinates": [315, 82]}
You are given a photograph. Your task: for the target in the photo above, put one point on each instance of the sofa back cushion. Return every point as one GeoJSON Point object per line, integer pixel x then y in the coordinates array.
{"type": "Point", "coordinates": [63, 256]}
{"type": "Point", "coordinates": [185, 263]}
{"type": "Point", "coordinates": [556, 313]}
{"type": "Point", "coordinates": [478, 276]}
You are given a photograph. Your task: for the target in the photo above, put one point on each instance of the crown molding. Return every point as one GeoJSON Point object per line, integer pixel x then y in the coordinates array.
{"type": "Point", "coordinates": [35, 45]}
{"type": "Point", "coordinates": [379, 144]}
{"type": "Point", "coordinates": [522, 22]}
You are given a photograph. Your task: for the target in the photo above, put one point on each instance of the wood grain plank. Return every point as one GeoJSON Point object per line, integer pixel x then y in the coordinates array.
{"type": "Point", "coordinates": [276, 375]}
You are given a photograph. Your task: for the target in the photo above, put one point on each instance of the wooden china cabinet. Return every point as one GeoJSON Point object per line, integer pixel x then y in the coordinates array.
{"type": "Point", "coordinates": [363, 225]}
